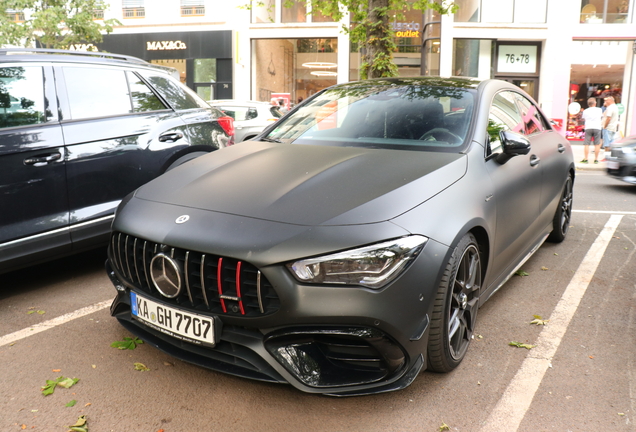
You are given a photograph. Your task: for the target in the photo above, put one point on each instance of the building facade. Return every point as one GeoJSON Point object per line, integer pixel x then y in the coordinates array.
{"type": "Point", "coordinates": [560, 52]}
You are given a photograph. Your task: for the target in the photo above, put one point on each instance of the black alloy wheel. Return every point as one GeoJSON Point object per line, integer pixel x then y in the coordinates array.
{"type": "Point", "coordinates": [455, 309]}
{"type": "Point", "coordinates": [563, 215]}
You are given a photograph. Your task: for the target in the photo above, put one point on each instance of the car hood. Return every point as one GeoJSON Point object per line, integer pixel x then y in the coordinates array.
{"type": "Point", "coordinates": [308, 185]}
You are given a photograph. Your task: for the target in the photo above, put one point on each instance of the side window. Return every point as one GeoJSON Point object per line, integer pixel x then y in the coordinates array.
{"type": "Point", "coordinates": [504, 115]}
{"type": "Point", "coordinates": [531, 116]}
{"type": "Point", "coordinates": [21, 96]}
{"type": "Point", "coordinates": [143, 99]}
{"type": "Point", "coordinates": [96, 92]}
{"type": "Point", "coordinates": [275, 111]}
{"type": "Point", "coordinates": [251, 114]}
{"type": "Point", "coordinates": [178, 96]}
{"type": "Point", "coordinates": [237, 113]}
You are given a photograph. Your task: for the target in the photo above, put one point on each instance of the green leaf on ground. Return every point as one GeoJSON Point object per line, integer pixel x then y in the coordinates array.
{"type": "Point", "coordinates": [521, 345]}
{"type": "Point", "coordinates": [538, 320]}
{"type": "Point", "coordinates": [522, 273]}
{"type": "Point", "coordinates": [444, 427]}
{"type": "Point", "coordinates": [68, 382]}
{"type": "Point", "coordinates": [127, 343]}
{"type": "Point", "coordinates": [80, 425]}
{"type": "Point", "coordinates": [49, 388]}
{"type": "Point", "coordinates": [71, 403]}
{"type": "Point", "coordinates": [141, 367]}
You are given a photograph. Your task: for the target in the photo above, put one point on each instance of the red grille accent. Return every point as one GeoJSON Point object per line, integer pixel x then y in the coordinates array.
{"type": "Point", "coordinates": [238, 287]}
{"type": "Point", "coordinates": [219, 283]}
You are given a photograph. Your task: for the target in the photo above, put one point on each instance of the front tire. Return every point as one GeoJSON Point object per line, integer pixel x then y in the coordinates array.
{"type": "Point", "coordinates": [563, 215]}
{"type": "Point", "coordinates": [455, 308]}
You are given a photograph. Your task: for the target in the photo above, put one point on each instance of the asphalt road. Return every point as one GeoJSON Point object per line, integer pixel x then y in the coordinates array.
{"type": "Point", "coordinates": [581, 376]}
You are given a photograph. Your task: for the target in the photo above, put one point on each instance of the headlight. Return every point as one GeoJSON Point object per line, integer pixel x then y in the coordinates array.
{"type": "Point", "coordinates": [628, 150]}
{"type": "Point", "coordinates": [370, 266]}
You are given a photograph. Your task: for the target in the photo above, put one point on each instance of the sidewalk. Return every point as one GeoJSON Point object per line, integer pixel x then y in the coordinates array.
{"type": "Point", "coordinates": [577, 150]}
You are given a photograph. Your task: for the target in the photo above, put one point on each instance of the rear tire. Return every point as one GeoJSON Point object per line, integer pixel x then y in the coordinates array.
{"type": "Point", "coordinates": [563, 215]}
{"type": "Point", "coordinates": [455, 308]}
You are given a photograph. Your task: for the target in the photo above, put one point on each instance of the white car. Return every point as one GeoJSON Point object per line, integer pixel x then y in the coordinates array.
{"type": "Point", "coordinates": [250, 117]}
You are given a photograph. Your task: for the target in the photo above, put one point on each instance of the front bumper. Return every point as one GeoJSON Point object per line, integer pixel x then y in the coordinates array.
{"type": "Point", "coordinates": [622, 166]}
{"type": "Point", "coordinates": [332, 340]}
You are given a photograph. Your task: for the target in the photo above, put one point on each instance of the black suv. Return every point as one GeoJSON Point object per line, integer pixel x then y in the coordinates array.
{"type": "Point", "coordinates": [80, 131]}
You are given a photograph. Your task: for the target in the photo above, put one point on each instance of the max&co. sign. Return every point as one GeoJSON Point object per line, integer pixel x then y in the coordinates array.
{"type": "Point", "coordinates": [165, 45]}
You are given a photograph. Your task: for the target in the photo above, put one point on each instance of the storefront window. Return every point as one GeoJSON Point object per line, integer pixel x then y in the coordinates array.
{"type": "Point", "coordinates": [431, 43]}
{"type": "Point", "coordinates": [263, 11]}
{"type": "Point", "coordinates": [179, 65]}
{"type": "Point", "coordinates": [293, 68]}
{"type": "Point", "coordinates": [468, 10]}
{"type": "Point", "coordinates": [205, 77]}
{"type": "Point", "coordinates": [466, 57]}
{"type": "Point", "coordinates": [204, 70]}
{"type": "Point", "coordinates": [518, 11]}
{"type": "Point", "coordinates": [192, 8]}
{"type": "Point", "coordinates": [604, 11]}
{"type": "Point", "coordinates": [133, 9]}
{"type": "Point", "coordinates": [295, 12]}
{"type": "Point", "coordinates": [473, 58]}
{"type": "Point", "coordinates": [599, 80]}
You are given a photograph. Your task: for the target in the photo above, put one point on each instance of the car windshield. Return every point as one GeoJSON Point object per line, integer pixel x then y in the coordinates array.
{"type": "Point", "coordinates": [410, 117]}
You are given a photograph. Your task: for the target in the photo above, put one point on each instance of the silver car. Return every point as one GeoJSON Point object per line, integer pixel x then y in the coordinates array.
{"type": "Point", "coordinates": [622, 163]}
{"type": "Point", "coordinates": [250, 117]}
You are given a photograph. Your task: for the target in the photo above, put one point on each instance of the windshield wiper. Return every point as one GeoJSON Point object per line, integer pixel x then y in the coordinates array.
{"type": "Point", "coordinates": [273, 140]}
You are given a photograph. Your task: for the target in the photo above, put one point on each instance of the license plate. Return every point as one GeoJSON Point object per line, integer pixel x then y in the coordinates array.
{"type": "Point", "coordinates": [182, 325]}
{"type": "Point", "coordinates": [612, 165]}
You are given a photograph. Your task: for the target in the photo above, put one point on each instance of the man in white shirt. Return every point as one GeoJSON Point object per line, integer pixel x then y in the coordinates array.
{"type": "Point", "coordinates": [610, 122]}
{"type": "Point", "coordinates": [593, 124]}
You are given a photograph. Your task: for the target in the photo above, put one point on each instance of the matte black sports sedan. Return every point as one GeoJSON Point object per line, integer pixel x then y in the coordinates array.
{"type": "Point", "coordinates": [351, 244]}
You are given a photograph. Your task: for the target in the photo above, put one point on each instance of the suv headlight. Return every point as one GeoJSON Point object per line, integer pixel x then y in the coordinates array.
{"type": "Point", "coordinates": [370, 266]}
{"type": "Point", "coordinates": [628, 149]}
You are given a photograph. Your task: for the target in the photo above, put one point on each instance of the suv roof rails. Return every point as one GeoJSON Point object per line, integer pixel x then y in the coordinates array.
{"type": "Point", "coordinates": [131, 59]}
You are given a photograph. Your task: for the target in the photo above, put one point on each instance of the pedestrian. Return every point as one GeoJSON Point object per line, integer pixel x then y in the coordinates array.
{"type": "Point", "coordinates": [610, 122]}
{"type": "Point", "coordinates": [592, 117]}
{"type": "Point", "coordinates": [281, 106]}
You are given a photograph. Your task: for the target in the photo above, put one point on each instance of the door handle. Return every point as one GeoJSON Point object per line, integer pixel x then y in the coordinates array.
{"type": "Point", "coordinates": [534, 160]}
{"type": "Point", "coordinates": [41, 160]}
{"type": "Point", "coordinates": [170, 137]}
{"type": "Point", "coordinates": [561, 148]}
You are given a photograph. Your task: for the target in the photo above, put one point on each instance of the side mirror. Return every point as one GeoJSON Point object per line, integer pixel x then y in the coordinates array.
{"type": "Point", "coordinates": [513, 144]}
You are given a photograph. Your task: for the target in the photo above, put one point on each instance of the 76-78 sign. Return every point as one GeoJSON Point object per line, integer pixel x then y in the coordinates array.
{"type": "Point", "coordinates": [517, 59]}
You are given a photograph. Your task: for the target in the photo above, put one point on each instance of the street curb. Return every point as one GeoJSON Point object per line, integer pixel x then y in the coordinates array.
{"type": "Point", "coordinates": [601, 166]}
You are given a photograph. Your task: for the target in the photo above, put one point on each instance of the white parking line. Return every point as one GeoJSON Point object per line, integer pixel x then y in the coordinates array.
{"type": "Point", "coordinates": [605, 212]}
{"type": "Point", "coordinates": [513, 405]}
{"type": "Point", "coordinates": [30, 331]}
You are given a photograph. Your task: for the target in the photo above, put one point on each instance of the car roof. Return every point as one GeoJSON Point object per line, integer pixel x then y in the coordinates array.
{"type": "Point", "coordinates": [66, 56]}
{"type": "Point", "coordinates": [454, 82]}
{"type": "Point", "coordinates": [237, 102]}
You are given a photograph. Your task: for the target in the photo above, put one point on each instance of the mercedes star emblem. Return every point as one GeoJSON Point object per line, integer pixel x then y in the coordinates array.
{"type": "Point", "coordinates": [165, 275]}
{"type": "Point", "coordinates": [182, 219]}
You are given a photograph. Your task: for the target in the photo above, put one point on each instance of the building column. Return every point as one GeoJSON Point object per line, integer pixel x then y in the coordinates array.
{"type": "Point", "coordinates": [556, 63]}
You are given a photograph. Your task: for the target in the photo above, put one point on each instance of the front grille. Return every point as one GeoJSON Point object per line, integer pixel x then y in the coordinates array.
{"type": "Point", "coordinates": [220, 285]}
